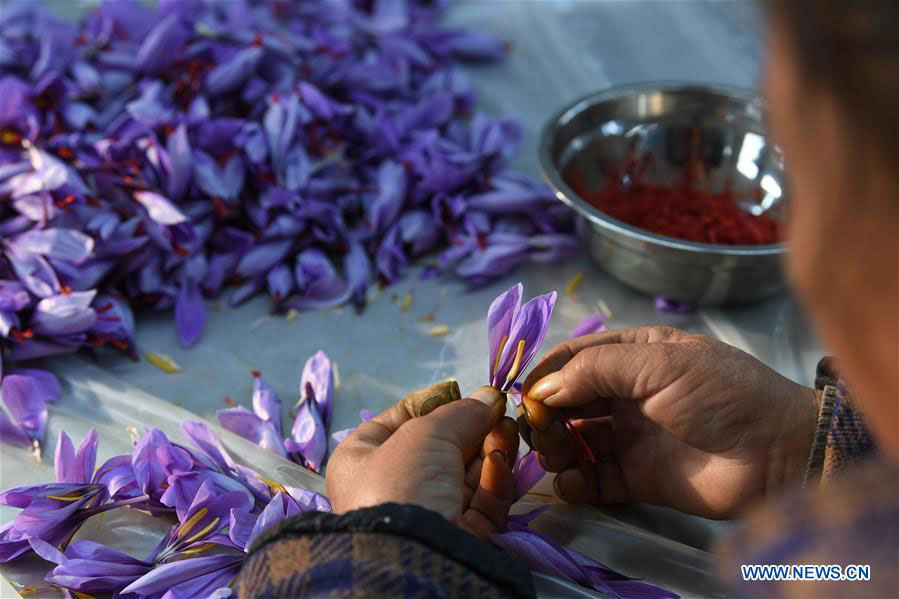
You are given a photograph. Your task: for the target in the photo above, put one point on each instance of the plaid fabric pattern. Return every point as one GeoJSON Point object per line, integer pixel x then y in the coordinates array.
{"type": "Point", "coordinates": [848, 441]}
{"type": "Point", "coordinates": [357, 564]}
{"type": "Point", "coordinates": [852, 520]}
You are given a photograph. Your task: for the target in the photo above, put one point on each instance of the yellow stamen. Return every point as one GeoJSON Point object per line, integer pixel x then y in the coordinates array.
{"type": "Point", "coordinates": [203, 532]}
{"type": "Point", "coordinates": [499, 354]}
{"type": "Point", "coordinates": [69, 498]}
{"type": "Point", "coordinates": [519, 354]}
{"type": "Point", "coordinates": [275, 487]}
{"type": "Point", "coordinates": [191, 522]}
{"type": "Point", "coordinates": [199, 549]}
{"type": "Point", "coordinates": [92, 501]}
{"type": "Point", "coordinates": [28, 591]}
{"type": "Point", "coordinates": [83, 595]}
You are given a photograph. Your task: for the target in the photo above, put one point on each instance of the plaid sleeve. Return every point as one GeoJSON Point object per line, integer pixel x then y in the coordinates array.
{"type": "Point", "coordinates": [385, 551]}
{"type": "Point", "coordinates": [841, 438]}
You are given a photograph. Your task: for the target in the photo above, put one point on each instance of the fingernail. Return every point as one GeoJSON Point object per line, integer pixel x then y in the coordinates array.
{"type": "Point", "coordinates": [547, 386]}
{"type": "Point", "coordinates": [557, 488]}
{"type": "Point", "coordinates": [504, 457]}
{"type": "Point", "coordinates": [539, 416]}
{"type": "Point", "coordinates": [487, 395]}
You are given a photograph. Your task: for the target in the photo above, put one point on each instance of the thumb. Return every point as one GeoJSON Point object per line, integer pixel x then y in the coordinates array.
{"type": "Point", "coordinates": [465, 423]}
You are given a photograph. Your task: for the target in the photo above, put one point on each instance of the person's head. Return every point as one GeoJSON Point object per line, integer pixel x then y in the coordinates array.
{"type": "Point", "coordinates": [833, 96]}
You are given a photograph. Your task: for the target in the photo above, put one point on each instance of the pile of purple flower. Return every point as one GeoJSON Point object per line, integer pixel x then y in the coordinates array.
{"type": "Point", "coordinates": [217, 505]}
{"type": "Point", "coordinates": [152, 156]}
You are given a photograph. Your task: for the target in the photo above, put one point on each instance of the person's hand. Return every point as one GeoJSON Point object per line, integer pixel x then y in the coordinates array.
{"type": "Point", "coordinates": [455, 461]}
{"type": "Point", "coordinates": [673, 419]}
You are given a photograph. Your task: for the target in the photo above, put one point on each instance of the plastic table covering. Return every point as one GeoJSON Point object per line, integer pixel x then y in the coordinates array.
{"type": "Point", "coordinates": [560, 50]}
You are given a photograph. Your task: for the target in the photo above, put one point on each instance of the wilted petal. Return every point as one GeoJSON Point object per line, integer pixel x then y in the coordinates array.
{"type": "Point", "coordinates": [592, 324]}
{"type": "Point", "coordinates": [230, 74]}
{"type": "Point", "coordinates": [358, 274]}
{"type": "Point", "coordinates": [161, 45]}
{"type": "Point", "coordinates": [663, 304]}
{"type": "Point", "coordinates": [12, 434]}
{"type": "Point", "coordinates": [180, 162]}
{"type": "Point", "coordinates": [167, 576]}
{"type": "Point", "coordinates": [280, 282]}
{"type": "Point", "coordinates": [62, 244]}
{"type": "Point", "coordinates": [495, 260]}
{"type": "Point", "coordinates": [64, 314]}
{"type": "Point", "coordinates": [190, 313]}
{"type": "Point", "coordinates": [13, 295]}
{"type": "Point", "coordinates": [46, 383]}
{"type": "Point", "coordinates": [386, 207]}
{"type": "Point", "coordinates": [263, 257]}
{"type": "Point", "coordinates": [25, 401]}
{"type": "Point", "coordinates": [159, 208]}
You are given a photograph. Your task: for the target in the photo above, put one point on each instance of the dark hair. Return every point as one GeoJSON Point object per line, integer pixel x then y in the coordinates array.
{"type": "Point", "coordinates": [849, 49]}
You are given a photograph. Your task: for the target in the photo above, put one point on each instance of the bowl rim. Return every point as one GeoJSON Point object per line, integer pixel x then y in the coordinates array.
{"type": "Point", "coordinates": [570, 198]}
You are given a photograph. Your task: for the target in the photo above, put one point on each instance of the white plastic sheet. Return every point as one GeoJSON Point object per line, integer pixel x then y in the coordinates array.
{"type": "Point", "coordinates": [560, 50]}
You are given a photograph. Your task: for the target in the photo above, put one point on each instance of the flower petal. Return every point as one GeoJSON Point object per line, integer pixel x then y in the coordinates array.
{"type": "Point", "coordinates": [159, 208]}
{"type": "Point", "coordinates": [594, 323]}
{"type": "Point", "coordinates": [190, 313]}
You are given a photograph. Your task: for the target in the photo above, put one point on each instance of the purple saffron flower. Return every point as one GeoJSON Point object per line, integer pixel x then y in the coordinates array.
{"type": "Point", "coordinates": [154, 460]}
{"type": "Point", "coordinates": [159, 208]}
{"type": "Point", "coordinates": [542, 554]}
{"type": "Point", "coordinates": [594, 323]}
{"type": "Point", "coordinates": [527, 472]}
{"type": "Point", "coordinates": [663, 304]}
{"type": "Point", "coordinates": [514, 333]}
{"type": "Point", "coordinates": [72, 467]}
{"type": "Point", "coordinates": [89, 567]}
{"type": "Point", "coordinates": [216, 458]}
{"type": "Point", "coordinates": [208, 515]}
{"type": "Point", "coordinates": [317, 384]}
{"type": "Point", "coordinates": [250, 426]}
{"type": "Point", "coordinates": [308, 443]}
{"type": "Point", "coordinates": [188, 578]}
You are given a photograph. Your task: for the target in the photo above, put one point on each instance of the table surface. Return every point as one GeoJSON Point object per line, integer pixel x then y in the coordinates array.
{"type": "Point", "coordinates": [561, 50]}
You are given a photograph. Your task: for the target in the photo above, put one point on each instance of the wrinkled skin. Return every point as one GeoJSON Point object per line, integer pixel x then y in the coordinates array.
{"type": "Point", "coordinates": [674, 419]}
{"type": "Point", "coordinates": [455, 461]}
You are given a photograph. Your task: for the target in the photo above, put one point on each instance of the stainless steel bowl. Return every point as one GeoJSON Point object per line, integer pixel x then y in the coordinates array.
{"type": "Point", "coordinates": [724, 128]}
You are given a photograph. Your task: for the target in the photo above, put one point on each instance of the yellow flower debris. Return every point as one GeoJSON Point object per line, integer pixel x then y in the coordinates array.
{"type": "Point", "coordinates": [573, 283]}
{"type": "Point", "coordinates": [438, 331]}
{"type": "Point", "coordinates": [163, 362]}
